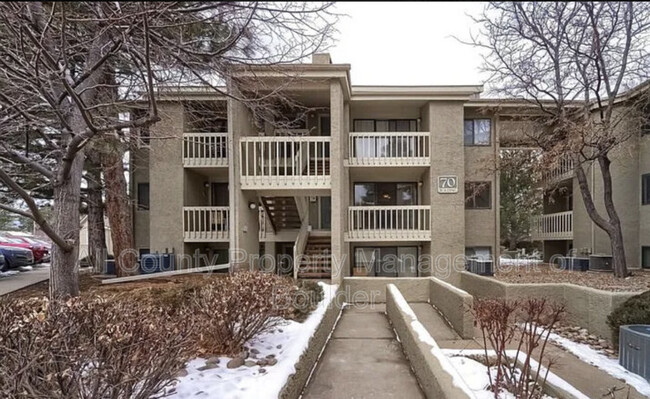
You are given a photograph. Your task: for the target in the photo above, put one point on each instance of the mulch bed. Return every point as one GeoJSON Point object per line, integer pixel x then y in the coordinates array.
{"type": "Point", "coordinates": [543, 273]}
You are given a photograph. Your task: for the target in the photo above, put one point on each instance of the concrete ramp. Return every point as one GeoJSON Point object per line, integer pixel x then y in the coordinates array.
{"type": "Point", "coordinates": [363, 359]}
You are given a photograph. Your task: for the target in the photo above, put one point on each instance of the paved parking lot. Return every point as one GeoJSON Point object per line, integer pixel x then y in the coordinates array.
{"type": "Point", "coordinates": [24, 279]}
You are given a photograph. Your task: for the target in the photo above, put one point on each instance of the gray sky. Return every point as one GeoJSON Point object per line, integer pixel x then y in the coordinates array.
{"type": "Point", "coordinates": [400, 43]}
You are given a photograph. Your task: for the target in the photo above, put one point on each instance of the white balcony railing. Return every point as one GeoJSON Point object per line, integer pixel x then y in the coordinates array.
{"type": "Point", "coordinates": [560, 171]}
{"type": "Point", "coordinates": [205, 149]}
{"type": "Point", "coordinates": [206, 223]}
{"type": "Point", "coordinates": [389, 149]}
{"type": "Point", "coordinates": [285, 162]}
{"type": "Point", "coordinates": [390, 223]}
{"type": "Point", "coordinates": [554, 226]}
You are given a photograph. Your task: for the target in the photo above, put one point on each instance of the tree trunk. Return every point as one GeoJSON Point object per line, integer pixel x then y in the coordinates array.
{"type": "Point", "coordinates": [612, 225]}
{"type": "Point", "coordinates": [118, 210]}
{"type": "Point", "coordinates": [96, 228]}
{"type": "Point", "coordinates": [615, 230]}
{"type": "Point", "coordinates": [64, 271]}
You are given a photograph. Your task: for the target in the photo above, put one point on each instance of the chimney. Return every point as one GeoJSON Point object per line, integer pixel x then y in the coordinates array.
{"type": "Point", "coordinates": [321, 58]}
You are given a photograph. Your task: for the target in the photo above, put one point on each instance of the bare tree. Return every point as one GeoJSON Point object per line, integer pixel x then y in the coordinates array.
{"type": "Point", "coordinates": [54, 60]}
{"type": "Point", "coordinates": [574, 62]}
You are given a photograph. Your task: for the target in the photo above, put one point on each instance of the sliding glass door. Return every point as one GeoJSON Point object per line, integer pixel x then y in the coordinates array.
{"type": "Point", "coordinates": [386, 261]}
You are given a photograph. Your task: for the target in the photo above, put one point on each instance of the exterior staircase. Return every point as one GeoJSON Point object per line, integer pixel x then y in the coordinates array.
{"type": "Point", "coordinates": [282, 212]}
{"type": "Point", "coordinates": [317, 262]}
{"type": "Point", "coordinates": [318, 167]}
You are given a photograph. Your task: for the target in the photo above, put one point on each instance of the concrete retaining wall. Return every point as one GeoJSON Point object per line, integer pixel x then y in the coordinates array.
{"type": "Point", "coordinates": [373, 289]}
{"type": "Point", "coordinates": [296, 382]}
{"type": "Point", "coordinates": [455, 304]}
{"type": "Point", "coordinates": [586, 307]}
{"type": "Point", "coordinates": [436, 375]}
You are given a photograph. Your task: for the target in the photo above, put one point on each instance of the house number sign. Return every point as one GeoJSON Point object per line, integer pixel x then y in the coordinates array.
{"type": "Point", "coordinates": [447, 184]}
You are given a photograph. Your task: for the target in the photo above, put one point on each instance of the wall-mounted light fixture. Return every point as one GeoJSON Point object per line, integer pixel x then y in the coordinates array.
{"type": "Point", "coordinates": [252, 206]}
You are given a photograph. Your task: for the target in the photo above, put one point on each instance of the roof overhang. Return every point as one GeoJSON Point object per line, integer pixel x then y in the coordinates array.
{"type": "Point", "coordinates": [415, 93]}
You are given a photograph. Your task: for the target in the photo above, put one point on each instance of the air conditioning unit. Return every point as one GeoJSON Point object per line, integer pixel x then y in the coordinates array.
{"type": "Point", "coordinates": [634, 349]}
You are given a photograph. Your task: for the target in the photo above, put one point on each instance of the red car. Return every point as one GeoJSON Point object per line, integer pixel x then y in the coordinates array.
{"type": "Point", "coordinates": [40, 251]}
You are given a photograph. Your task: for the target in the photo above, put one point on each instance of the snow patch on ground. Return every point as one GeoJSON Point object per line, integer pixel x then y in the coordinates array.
{"type": "Point", "coordinates": [596, 359]}
{"type": "Point", "coordinates": [287, 343]}
{"type": "Point", "coordinates": [476, 377]}
{"type": "Point", "coordinates": [9, 273]}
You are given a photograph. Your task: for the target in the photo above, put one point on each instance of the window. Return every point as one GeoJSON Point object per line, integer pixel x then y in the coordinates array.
{"type": "Point", "coordinates": [645, 257]}
{"type": "Point", "coordinates": [385, 194]}
{"type": "Point", "coordinates": [484, 253]}
{"type": "Point", "coordinates": [477, 132]}
{"type": "Point", "coordinates": [386, 261]}
{"type": "Point", "coordinates": [385, 125]}
{"type": "Point", "coordinates": [143, 196]}
{"type": "Point", "coordinates": [645, 189]}
{"type": "Point", "coordinates": [478, 195]}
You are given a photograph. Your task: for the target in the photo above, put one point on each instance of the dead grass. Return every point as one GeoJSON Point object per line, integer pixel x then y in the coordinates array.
{"type": "Point", "coordinates": [537, 274]}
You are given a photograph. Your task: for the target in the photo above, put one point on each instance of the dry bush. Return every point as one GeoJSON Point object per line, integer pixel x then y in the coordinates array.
{"type": "Point", "coordinates": [88, 348]}
{"type": "Point", "coordinates": [527, 324]}
{"type": "Point", "coordinates": [306, 299]}
{"type": "Point", "coordinates": [233, 310]}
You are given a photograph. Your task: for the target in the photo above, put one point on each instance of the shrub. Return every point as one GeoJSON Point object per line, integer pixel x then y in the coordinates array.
{"type": "Point", "coordinates": [635, 310]}
{"type": "Point", "coordinates": [233, 310]}
{"type": "Point", "coordinates": [88, 348]}
{"type": "Point", "coordinates": [306, 299]}
{"type": "Point", "coordinates": [527, 323]}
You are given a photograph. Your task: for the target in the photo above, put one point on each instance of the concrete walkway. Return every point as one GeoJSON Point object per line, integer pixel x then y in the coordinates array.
{"type": "Point", "coordinates": [363, 359]}
{"type": "Point", "coordinates": [589, 380]}
{"type": "Point", "coordinates": [24, 279]}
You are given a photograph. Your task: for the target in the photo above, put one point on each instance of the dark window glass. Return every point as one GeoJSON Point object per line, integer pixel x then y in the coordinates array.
{"type": "Point", "coordinates": [364, 194]}
{"type": "Point", "coordinates": [143, 196]}
{"type": "Point", "coordinates": [477, 132]}
{"type": "Point", "coordinates": [220, 195]}
{"type": "Point", "coordinates": [645, 257]}
{"type": "Point", "coordinates": [385, 125]}
{"type": "Point", "coordinates": [645, 189]}
{"type": "Point", "coordinates": [386, 261]}
{"type": "Point", "coordinates": [385, 194]}
{"type": "Point", "coordinates": [477, 195]}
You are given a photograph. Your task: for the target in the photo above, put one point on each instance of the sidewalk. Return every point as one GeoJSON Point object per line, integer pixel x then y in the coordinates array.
{"type": "Point", "coordinates": [24, 279]}
{"type": "Point", "coordinates": [588, 379]}
{"type": "Point", "coordinates": [363, 359]}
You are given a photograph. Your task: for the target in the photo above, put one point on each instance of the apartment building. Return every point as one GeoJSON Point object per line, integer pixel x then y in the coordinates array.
{"type": "Point", "coordinates": [393, 181]}
{"type": "Point", "coordinates": [565, 227]}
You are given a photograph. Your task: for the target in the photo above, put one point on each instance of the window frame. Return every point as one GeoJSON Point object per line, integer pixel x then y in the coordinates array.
{"type": "Point", "coordinates": [138, 204]}
{"type": "Point", "coordinates": [473, 203]}
{"type": "Point", "coordinates": [474, 143]}
{"type": "Point", "coordinates": [376, 192]}
{"type": "Point", "coordinates": [374, 124]}
{"type": "Point", "coordinates": [353, 264]}
{"type": "Point", "coordinates": [645, 189]}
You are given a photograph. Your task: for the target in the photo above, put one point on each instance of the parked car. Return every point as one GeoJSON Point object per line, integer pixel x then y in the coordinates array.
{"type": "Point", "coordinates": [15, 257]}
{"type": "Point", "coordinates": [3, 263]}
{"type": "Point", "coordinates": [41, 251]}
{"type": "Point", "coordinates": [38, 251]}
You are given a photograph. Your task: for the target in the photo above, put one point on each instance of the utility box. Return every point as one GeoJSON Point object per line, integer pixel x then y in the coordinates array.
{"type": "Point", "coordinates": [156, 263]}
{"type": "Point", "coordinates": [634, 349]}
{"type": "Point", "coordinates": [574, 264]}
{"type": "Point", "coordinates": [600, 263]}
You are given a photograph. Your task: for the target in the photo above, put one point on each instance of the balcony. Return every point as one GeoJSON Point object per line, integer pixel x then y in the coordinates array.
{"type": "Point", "coordinates": [206, 223]}
{"type": "Point", "coordinates": [283, 162]}
{"type": "Point", "coordinates": [389, 149]}
{"type": "Point", "coordinates": [561, 170]}
{"type": "Point", "coordinates": [554, 226]}
{"type": "Point", "coordinates": [389, 223]}
{"type": "Point", "coordinates": [205, 150]}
